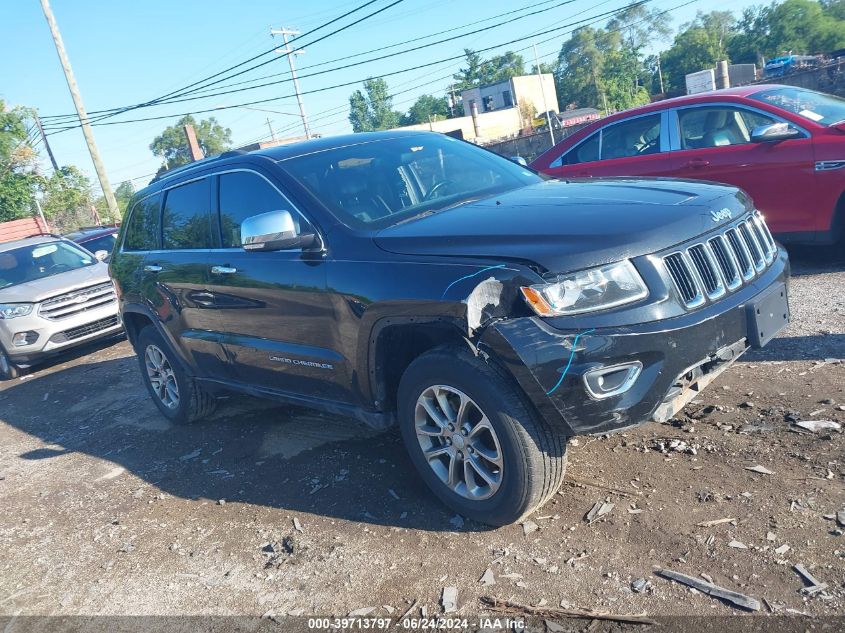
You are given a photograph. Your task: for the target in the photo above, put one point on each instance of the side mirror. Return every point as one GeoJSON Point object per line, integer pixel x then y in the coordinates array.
{"type": "Point", "coordinates": [773, 132]}
{"type": "Point", "coordinates": [519, 160]}
{"type": "Point", "coordinates": [273, 231]}
{"type": "Point", "coordinates": [101, 255]}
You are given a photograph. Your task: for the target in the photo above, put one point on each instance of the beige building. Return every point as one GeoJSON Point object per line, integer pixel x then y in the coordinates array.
{"type": "Point", "coordinates": [539, 91]}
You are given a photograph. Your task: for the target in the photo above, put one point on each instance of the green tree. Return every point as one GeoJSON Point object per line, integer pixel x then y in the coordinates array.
{"type": "Point", "coordinates": [640, 26]}
{"type": "Point", "coordinates": [698, 45]}
{"type": "Point", "coordinates": [372, 109]}
{"type": "Point", "coordinates": [172, 146]}
{"type": "Point", "coordinates": [480, 73]}
{"type": "Point", "coordinates": [67, 199]}
{"type": "Point", "coordinates": [426, 108]}
{"type": "Point", "coordinates": [123, 194]}
{"type": "Point", "coordinates": [19, 179]}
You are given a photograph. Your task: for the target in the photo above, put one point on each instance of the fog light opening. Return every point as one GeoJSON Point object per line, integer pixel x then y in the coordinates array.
{"type": "Point", "coordinates": [604, 382]}
{"type": "Point", "coordinates": [22, 339]}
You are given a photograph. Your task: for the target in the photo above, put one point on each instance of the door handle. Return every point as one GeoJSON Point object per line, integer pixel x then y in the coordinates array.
{"type": "Point", "coordinates": [152, 268]}
{"type": "Point", "coordinates": [698, 163]}
{"type": "Point", "coordinates": [223, 270]}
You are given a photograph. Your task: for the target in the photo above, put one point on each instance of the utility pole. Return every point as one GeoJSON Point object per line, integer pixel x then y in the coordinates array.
{"type": "Point", "coordinates": [46, 143]}
{"type": "Point", "coordinates": [272, 131]}
{"type": "Point", "coordinates": [193, 145]}
{"type": "Point", "coordinates": [543, 91]}
{"type": "Point", "coordinates": [660, 74]}
{"type": "Point", "coordinates": [284, 32]}
{"type": "Point", "coordinates": [80, 111]}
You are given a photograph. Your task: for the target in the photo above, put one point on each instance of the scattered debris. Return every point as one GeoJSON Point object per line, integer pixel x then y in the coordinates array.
{"type": "Point", "coordinates": [815, 585]}
{"type": "Point", "coordinates": [762, 470]}
{"type": "Point", "coordinates": [449, 599]}
{"type": "Point", "coordinates": [639, 585]}
{"type": "Point", "coordinates": [528, 527]}
{"type": "Point", "coordinates": [783, 549]}
{"type": "Point", "coordinates": [488, 578]}
{"type": "Point", "coordinates": [737, 545]}
{"type": "Point", "coordinates": [393, 494]}
{"type": "Point", "coordinates": [554, 627]}
{"type": "Point", "coordinates": [457, 522]}
{"type": "Point", "coordinates": [409, 611]}
{"type": "Point", "coordinates": [221, 502]}
{"type": "Point", "coordinates": [582, 482]}
{"type": "Point", "coordinates": [716, 522]}
{"type": "Point", "coordinates": [191, 455]}
{"type": "Point", "coordinates": [599, 509]}
{"type": "Point", "coordinates": [127, 548]}
{"type": "Point", "coordinates": [506, 606]}
{"type": "Point", "coordinates": [362, 612]}
{"type": "Point", "coordinates": [840, 518]}
{"type": "Point", "coordinates": [738, 599]}
{"type": "Point", "coordinates": [818, 425]}
{"type": "Point", "coordinates": [297, 525]}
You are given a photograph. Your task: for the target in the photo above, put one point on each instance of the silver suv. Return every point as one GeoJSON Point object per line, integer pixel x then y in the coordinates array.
{"type": "Point", "coordinates": [53, 296]}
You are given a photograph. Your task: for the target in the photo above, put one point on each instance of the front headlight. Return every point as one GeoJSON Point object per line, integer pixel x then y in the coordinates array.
{"type": "Point", "coordinates": [587, 290]}
{"type": "Point", "coordinates": [12, 310]}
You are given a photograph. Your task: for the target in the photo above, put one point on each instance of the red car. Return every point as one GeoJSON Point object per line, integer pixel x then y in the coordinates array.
{"type": "Point", "coordinates": [785, 146]}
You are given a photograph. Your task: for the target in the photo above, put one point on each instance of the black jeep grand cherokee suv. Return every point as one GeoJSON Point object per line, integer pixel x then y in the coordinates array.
{"type": "Point", "coordinates": [411, 278]}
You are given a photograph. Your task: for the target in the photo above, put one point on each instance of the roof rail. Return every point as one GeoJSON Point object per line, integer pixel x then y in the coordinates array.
{"type": "Point", "coordinates": [204, 161]}
{"type": "Point", "coordinates": [42, 234]}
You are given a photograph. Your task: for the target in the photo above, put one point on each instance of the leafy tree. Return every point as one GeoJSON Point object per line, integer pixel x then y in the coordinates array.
{"type": "Point", "coordinates": [699, 44]}
{"type": "Point", "coordinates": [67, 199]}
{"type": "Point", "coordinates": [18, 177]}
{"type": "Point", "coordinates": [479, 72]}
{"type": "Point", "coordinates": [372, 109]}
{"type": "Point", "coordinates": [172, 146]}
{"type": "Point", "coordinates": [426, 108]}
{"type": "Point", "coordinates": [640, 26]}
{"type": "Point", "coordinates": [123, 194]}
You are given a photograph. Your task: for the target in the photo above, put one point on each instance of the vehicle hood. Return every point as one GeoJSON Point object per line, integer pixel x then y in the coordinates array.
{"type": "Point", "coordinates": [41, 289]}
{"type": "Point", "coordinates": [568, 225]}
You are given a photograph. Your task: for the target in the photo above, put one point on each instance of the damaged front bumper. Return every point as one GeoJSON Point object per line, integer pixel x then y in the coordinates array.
{"type": "Point", "coordinates": [654, 368]}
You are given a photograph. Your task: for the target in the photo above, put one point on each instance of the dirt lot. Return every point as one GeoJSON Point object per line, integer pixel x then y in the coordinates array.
{"type": "Point", "coordinates": [267, 510]}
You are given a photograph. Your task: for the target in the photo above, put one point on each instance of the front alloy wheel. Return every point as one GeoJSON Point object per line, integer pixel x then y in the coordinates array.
{"type": "Point", "coordinates": [162, 378]}
{"type": "Point", "coordinates": [459, 442]}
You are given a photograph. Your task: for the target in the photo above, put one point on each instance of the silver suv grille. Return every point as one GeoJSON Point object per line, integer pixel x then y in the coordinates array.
{"type": "Point", "coordinates": [73, 303]}
{"type": "Point", "coordinates": [721, 263]}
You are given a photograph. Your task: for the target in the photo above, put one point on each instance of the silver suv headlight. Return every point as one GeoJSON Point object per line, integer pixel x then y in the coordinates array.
{"type": "Point", "coordinates": [12, 310]}
{"type": "Point", "coordinates": [588, 290]}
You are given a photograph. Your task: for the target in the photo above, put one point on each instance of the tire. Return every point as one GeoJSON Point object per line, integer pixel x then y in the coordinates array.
{"type": "Point", "coordinates": [8, 370]}
{"type": "Point", "coordinates": [531, 457]}
{"type": "Point", "coordinates": [176, 394]}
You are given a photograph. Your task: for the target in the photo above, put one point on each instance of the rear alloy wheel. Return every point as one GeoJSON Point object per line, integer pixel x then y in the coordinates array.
{"type": "Point", "coordinates": [161, 377]}
{"type": "Point", "coordinates": [8, 370]}
{"type": "Point", "coordinates": [475, 440]}
{"type": "Point", "coordinates": [176, 394]}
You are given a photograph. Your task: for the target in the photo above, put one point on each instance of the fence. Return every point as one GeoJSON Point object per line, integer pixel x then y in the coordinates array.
{"type": "Point", "coordinates": [531, 145]}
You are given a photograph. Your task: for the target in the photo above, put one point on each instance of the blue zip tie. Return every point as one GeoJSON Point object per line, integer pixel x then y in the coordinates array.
{"type": "Point", "coordinates": [569, 363]}
{"type": "Point", "coordinates": [478, 272]}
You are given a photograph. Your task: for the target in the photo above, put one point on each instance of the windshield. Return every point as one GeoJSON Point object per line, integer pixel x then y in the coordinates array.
{"type": "Point", "coordinates": [815, 106]}
{"type": "Point", "coordinates": [380, 183]}
{"type": "Point", "coordinates": [28, 263]}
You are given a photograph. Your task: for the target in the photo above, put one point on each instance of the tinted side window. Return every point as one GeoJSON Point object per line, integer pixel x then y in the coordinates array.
{"type": "Point", "coordinates": [584, 152]}
{"type": "Point", "coordinates": [243, 194]}
{"type": "Point", "coordinates": [105, 243]}
{"type": "Point", "coordinates": [185, 218]}
{"type": "Point", "coordinates": [142, 230]}
{"type": "Point", "coordinates": [637, 137]}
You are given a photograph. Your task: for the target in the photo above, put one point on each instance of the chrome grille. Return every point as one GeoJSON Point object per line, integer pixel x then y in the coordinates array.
{"type": "Point", "coordinates": [78, 301]}
{"type": "Point", "coordinates": [721, 263]}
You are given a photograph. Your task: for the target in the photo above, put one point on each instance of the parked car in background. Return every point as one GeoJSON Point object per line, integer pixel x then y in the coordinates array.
{"type": "Point", "coordinates": [414, 279]}
{"type": "Point", "coordinates": [98, 240]}
{"type": "Point", "coordinates": [54, 295]}
{"type": "Point", "coordinates": [785, 146]}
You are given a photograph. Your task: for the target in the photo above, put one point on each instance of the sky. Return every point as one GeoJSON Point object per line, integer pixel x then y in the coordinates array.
{"type": "Point", "coordinates": [124, 53]}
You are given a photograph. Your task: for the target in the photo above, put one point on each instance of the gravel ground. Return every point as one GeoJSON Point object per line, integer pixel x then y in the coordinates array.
{"type": "Point", "coordinates": [267, 510]}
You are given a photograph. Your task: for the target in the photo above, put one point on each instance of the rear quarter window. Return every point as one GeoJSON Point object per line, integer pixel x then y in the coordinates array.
{"type": "Point", "coordinates": [142, 228]}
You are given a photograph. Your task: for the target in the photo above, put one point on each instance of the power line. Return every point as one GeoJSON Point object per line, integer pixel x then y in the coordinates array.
{"type": "Point", "coordinates": [382, 57]}
{"type": "Point", "coordinates": [389, 74]}
{"type": "Point", "coordinates": [185, 90]}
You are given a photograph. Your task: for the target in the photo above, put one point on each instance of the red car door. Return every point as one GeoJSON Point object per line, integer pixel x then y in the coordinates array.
{"type": "Point", "coordinates": [638, 146]}
{"type": "Point", "coordinates": [714, 143]}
